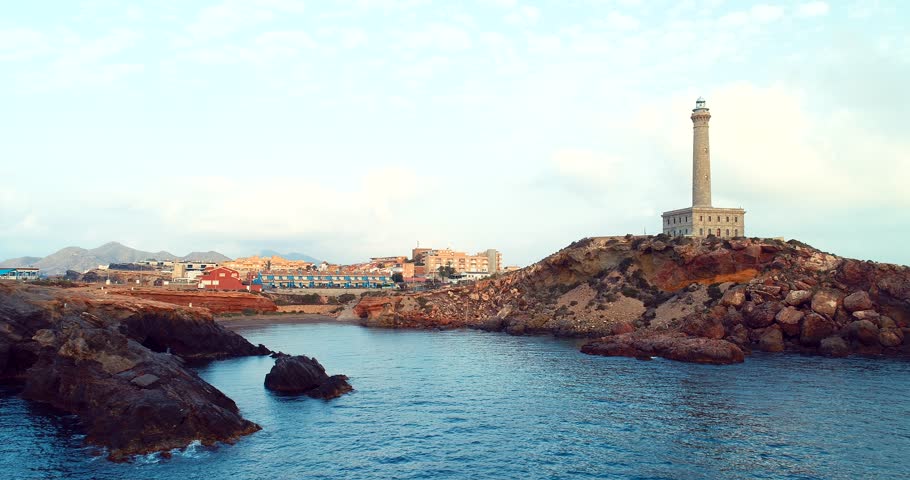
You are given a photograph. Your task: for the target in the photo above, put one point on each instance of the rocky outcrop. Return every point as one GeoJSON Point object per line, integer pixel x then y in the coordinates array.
{"type": "Point", "coordinates": [215, 302]}
{"type": "Point", "coordinates": [735, 290]}
{"type": "Point", "coordinates": [304, 375]}
{"type": "Point", "coordinates": [672, 346]}
{"type": "Point", "coordinates": [118, 364]}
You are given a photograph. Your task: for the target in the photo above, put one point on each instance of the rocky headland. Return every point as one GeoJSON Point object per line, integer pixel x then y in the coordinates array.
{"type": "Point", "coordinates": [700, 300]}
{"type": "Point", "coordinates": [118, 363]}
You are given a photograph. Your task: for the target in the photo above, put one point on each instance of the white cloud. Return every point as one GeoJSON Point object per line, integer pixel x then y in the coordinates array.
{"type": "Point", "coordinates": [524, 15]}
{"type": "Point", "coordinates": [812, 9]}
{"type": "Point", "coordinates": [619, 21]}
{"type": "Point", "coordinates": [22, 43]}
{"type": "Point", "coordinates": [437, 36]}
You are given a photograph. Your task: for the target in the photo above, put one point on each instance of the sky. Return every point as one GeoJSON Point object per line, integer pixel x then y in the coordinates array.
{"type": "Point", "coordinates": [355, 128]}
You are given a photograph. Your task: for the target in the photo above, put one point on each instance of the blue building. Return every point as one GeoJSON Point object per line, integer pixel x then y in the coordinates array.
{"type": "Point", "coordinates": [325, 280]}
{"type": "Point", "coordinates": [18, 273]}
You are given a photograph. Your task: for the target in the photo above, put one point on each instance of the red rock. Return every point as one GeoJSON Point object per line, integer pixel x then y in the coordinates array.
{"type": "Point", "coordinates": [788, 319]}
{"type": "Point", "coordinates": [760, 316]}
{"type": "Point", "coordinates": [703, 326]}
{"type": "Point", "coordinates": [857, 301]}
{"type": "Point", "coordinates": [834, 347]}
{"type": "Point", "coordinates": [825, 302]}
{"type": "Point", "coordinates": [864, 331]}
{"type": "Point", "coordinates": [771, 341]}
{"type": "Point", "coordinates": [866, 315]}
{"type": "Point", "coordinates": [814, 328]}
{"type": "Point", "coordinates": [734, 297]}
{"type": "Point", "coordinates": [680, 348]}
{"type": "Point", "coordinates": [798, 297]}
{"type": "Point", "coordinates": [891, 337]}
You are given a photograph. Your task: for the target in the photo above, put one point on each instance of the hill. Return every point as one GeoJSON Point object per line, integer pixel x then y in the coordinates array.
{"type": "Point", "coordinates": [81, 259]}
{"type": "Point", "coordinates": [20, 262]}
{"type": "Point", "coordinates": [703, 300]}
{"type": "Point", "coordinates": [289, 256]}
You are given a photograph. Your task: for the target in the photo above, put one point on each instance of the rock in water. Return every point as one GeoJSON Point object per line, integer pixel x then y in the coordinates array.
{"type": "Point", "coordinates": [102, 358]}
{"type": "Point", "coordinates": [302, 374]}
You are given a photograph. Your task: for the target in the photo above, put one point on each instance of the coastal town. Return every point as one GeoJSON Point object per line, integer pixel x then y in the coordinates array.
{"type": "Point", "coordinates": [423, 268]}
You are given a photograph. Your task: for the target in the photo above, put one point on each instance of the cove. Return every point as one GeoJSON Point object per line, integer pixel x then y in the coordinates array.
{"type": "Point", "coordinates": [468, 404]}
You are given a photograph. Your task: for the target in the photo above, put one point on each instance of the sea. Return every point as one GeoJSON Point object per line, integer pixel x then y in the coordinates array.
{"type": "Point", "coordinates": [476, 405]}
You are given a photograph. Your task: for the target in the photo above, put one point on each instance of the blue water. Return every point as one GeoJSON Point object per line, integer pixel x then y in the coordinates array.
{"type": "Point", "coordinates": [465, 404]}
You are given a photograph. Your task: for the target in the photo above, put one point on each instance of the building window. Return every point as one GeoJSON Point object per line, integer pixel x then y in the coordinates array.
{"type": "Point", "coordinates": [736, 232]}
{"type": "Point", "coordinates": [735, 219]}
{"type": "Point", "coordinates": [718, 232]}
{"type": "Point", "coordinates": [701, 231]}
{"type": "Point", "coordinates": [701, 218]}
{"type": "Point", "coordinates": [709, 218]}
{"type": "Point", "coordinates": [728, 232]}
{"type": "Point", "coordinates": [728, 219]}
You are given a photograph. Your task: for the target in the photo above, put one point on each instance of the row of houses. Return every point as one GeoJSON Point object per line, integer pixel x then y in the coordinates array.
{"type": "Point", "coordinates": [224, 278]}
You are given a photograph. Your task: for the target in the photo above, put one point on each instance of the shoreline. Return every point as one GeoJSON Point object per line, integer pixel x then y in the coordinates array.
{"type": "Point", "coordinates": [246, 321]}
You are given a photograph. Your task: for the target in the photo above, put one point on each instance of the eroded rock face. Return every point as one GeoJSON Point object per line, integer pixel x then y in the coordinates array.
{"type": "Point", "coordinates": [663, 285]}
{"type": "Point", "coordinates": [304, 375]}
{"type": "Point", "coordinates": [673, 347]}
{"type": "Point", "coordinates": [73, 350]}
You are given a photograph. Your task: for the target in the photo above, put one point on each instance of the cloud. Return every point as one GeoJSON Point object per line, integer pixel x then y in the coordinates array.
{"type": "Point", "coordinates": [760, 13]}
{"type": "Point", "coordinates": [436, 36]}
{"type": "Point", "coordinates": [524, 15]}
{"type": "Point", "coordinates": [812, 9]}
{"type": "Point", "coordinates": [619, 21]}
{"type": "Point", "coordinates": [22, 43]}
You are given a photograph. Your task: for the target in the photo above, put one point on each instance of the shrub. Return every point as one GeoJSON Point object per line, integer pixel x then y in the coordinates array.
{"type": "Point", "coordinates": [714, 291]}
{"type": "Point", "coordinates": [346, 297]}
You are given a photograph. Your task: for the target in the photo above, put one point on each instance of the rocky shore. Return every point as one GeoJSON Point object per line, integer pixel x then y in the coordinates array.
{"type": "Point", "coordinates": [118, 363]}
{"type": "Point", "coordinates": [700, 300]}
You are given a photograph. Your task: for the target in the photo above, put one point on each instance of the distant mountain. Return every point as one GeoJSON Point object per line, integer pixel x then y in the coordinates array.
{"type": "Point", "coordinates": [80, 259]}
{"type": "Point", "coordinates": [20, 262]}
{"type": "Point", "coordinates": [289, 256]}
{"type": "Point", "coordinates": [209, 256]}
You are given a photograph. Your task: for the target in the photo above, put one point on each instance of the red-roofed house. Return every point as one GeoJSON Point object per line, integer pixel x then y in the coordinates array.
{"type": "Point", "coordinates": [221, 278]}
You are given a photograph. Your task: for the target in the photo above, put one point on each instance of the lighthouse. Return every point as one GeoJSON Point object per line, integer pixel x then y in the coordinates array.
{"type": "Point", "coordinates": [702, 218]}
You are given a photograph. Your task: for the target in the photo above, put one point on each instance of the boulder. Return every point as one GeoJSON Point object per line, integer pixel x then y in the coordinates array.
{"type": "Point", "coordinates": [304, 375]}
{"type": "Point", "coordinates": [798, 297]}
{"type": "Point", "coordinates": [702, 326]}
{"type": "Point", "coordinates": [734, 297]}
{"type": "Point", "coordinates": [866, 315]}
{"type": "Point", "coordinates": [891, 337]}
{"type": "Point", "coordinates": [738, 335]}
{"type": "Point", "coordinates": [814, 328]}
{"type": "Point", "coordinates": [886, 322]}
{"type": "Point", "coordinates": [834, 347]}
{"type": "Point", "coordinates": [824, 302]}
{"type": "Point", "coordinates": [788, 319]}
{"type": "Point", "coordinates": [864, 331]}
{"type": "Point", "coordinates": [857, 301]}
{"type": "Point", "coordinates": [760, 316]}
{"type": "Point", "coordinates": [772, 340]}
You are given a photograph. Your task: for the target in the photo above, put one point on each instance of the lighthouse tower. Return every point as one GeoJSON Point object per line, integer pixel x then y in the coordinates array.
{"type": "Point", "coordinates": [701, 155]}
{"type": "Point", "coordinates": [702, 219]}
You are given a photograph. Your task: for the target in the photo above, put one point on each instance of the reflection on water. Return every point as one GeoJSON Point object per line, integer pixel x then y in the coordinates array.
{"type": "Point", "coordinates": [463, 404]}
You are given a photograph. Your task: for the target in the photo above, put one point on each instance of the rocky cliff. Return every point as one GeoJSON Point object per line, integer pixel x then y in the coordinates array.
{"type": "Point", "coordinates": [216, 302]}
{"type": "Point", "coordinates": [705, 300]}
{"type": "Point", "coordinates": [118, 364]}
